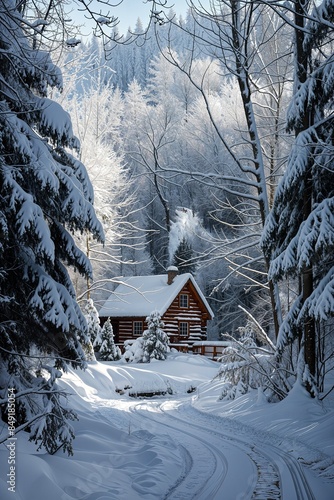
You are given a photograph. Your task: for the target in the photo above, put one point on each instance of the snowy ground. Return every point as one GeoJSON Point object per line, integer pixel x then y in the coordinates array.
{"type": "Point", "coordinates": [183, 445]}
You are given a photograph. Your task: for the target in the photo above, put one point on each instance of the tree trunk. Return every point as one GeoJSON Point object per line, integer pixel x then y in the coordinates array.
{"type": "Point", "coordinates": [243, 77]}
{"type": "Point", "coordinates": [302, 62]}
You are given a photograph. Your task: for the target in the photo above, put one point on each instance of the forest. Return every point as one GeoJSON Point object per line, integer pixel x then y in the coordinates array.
{"type": "Point", "coordinates": [204, 142]}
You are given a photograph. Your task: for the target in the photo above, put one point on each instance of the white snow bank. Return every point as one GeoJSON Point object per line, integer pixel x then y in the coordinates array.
{"type": "Point", "coordinates": [116, 458]}
{"type": "Point", "coordinates": [101, 381]}
{"type": "Point", "coordinates": [112, 458]}
{"type": "Point", "coordinates": [300, 424]}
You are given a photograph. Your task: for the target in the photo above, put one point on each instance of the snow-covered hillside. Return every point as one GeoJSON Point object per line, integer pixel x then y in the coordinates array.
{"type": "Point", "coordinates": [183, 444]}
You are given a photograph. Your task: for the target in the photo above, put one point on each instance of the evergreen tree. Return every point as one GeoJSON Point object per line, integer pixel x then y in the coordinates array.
{"type": "Point", "coordinates": [45, 196]}
{"type": "Point", "coordinates": [108, 351]}
{"type": "Point", "coordinates": [93, 320]}
{"type": "Point", "coordinates": [93, 328]}
{"type": "Point", "coordinates": [98, 341]}
{"type": "Point", "coordinates": [183, 258]}
{"type": "Point", "coordinates": [298, 236]}
{"type": "Point", "coordinates": [155, 340]}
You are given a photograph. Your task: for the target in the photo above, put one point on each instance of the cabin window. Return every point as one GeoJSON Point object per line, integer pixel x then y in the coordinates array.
{"type": "Point", "coordinates": [184, 300]}
{"type": "Point", "coordinates": [183, 329]}
{"type": "Point", "coordinates": [137, 328]}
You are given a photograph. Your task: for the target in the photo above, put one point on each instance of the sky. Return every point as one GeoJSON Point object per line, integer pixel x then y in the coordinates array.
{"type": "Point", "coordinates": [128, 11]}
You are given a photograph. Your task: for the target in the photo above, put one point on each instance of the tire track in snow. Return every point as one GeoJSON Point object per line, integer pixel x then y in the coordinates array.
{"type": "Point", "coordinates": [266, 478]}
{"type": "Point", "coordinates": [207, 475]}
{"type": "Point", "coordinates": [270, 484]}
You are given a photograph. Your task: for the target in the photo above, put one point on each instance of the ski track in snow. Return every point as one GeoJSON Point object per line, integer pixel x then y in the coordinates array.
{"type": "Point", "coordinates": [213, 459]}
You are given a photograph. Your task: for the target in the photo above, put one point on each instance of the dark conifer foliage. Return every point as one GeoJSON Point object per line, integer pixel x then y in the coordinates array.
{"type": "Point", "coordinates": [45, 196]}
{"type": "Point", "coordinates": [183, 258]}
{"type": "Point", "coordinates": [298, 236]}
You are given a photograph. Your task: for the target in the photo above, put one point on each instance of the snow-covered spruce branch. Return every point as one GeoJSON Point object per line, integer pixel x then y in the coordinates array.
{"type": "Point", "coordinates": [28, 392]}
{"type": "Point", "coordinates": [24, 426]}
{"type": "Point", "coordinates": [37, 437]}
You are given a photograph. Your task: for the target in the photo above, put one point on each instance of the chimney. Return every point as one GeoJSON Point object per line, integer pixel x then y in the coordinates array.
{"type": "Point", "coordinates": [172, 271]}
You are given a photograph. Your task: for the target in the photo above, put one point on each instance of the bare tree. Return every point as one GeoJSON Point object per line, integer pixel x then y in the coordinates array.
{"type": "Point", "coordinates": [227, 34]}
{"type": "Point", "coordinates": [97, 112]}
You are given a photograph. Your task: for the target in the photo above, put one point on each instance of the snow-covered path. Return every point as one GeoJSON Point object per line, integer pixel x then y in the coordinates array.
{"type": "Point", "coordinates": [220, 458]}
{"type": "Point", "coordinates": [185, 445]}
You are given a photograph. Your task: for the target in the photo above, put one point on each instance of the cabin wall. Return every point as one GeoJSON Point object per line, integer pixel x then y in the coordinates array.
{"type": "Point", "coordinates": [126, 327]}
{"type": "Point", "coordinates": [195, 316]}
{"type": "Point", "coordinates": [192, 315]}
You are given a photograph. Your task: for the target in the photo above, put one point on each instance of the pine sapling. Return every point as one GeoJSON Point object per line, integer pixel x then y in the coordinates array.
{"type": "Point", "coordinates": [108, 351]}
{"type": "Point", "coordinates": [156, 341]}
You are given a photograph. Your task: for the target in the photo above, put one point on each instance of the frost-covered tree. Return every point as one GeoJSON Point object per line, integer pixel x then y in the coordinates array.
{"type": "Point", "coordinates": [155, 340]}
{"type": "Point", "coordinates": [93, 320]}
{"type": "Point", "coordinates": [249, 363]}
{"type": "Point", "coordinates": [238, 37]}
{"type": "Point", "coordinates": [93, 328]}
{"type": "Point", "coordinates": [233, 34]}
{"type": "Point", "coordinates": [149, 154]}
{"type": "Point", "coordinates": [109, 351]}
{"type": "Point", "coordinates": [298, 236]}
{"type": "Point", "coordinates": [97, 114]}
{"type": "Point", "coordinates": [45, 196]}
{"type": "Point", "coordinates": [184, 258]}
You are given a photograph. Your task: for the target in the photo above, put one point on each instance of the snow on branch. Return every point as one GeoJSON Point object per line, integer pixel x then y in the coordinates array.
{"type": "Point", "coordinates": [320, 304]}
{"type": "Point", "coordinates": [69, 251]}
{"type": "Point", "coordinates": [289, 327]}
{"type": "Point", "coordinates": [321, 19]}
{"type": "Point", "coordinates": [286, 261]}
{"type": "Point", "coordinates": [315, 235]}
{"type": "Point", "coordinates": [55, 303]}
{"type": "Point", "coordinates": [263, 337]}
{"type": "Point", "coordinates": [55, 122]}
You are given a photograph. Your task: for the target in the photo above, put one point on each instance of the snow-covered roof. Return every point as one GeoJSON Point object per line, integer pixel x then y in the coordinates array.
{"type": "Point", "coordinates": [140, 295]}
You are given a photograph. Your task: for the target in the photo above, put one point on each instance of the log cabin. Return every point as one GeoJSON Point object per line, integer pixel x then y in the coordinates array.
{"type": "Point", "coordinates": [177, 297]}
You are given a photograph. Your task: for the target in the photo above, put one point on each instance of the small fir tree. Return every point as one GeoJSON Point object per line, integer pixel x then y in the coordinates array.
{"type": "Point", "coordinates": [88, 349]}
{"type": "Point", "coordinates": [156, 341]}
{"type": "Point", "coordinates": [108, 350]}
{"type": "Point", "coordinates": [98, 342]}
{"type": "Point", "coordinates": [93, 320]}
